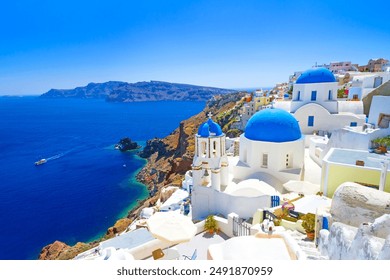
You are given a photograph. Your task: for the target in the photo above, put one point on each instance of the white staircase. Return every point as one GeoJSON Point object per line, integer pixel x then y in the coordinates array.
{"type": "Point", "coordinates": [307, 246]}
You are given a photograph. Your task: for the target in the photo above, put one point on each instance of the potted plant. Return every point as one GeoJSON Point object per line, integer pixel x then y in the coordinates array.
{"type": "Point", "coordinates": [308, 223]}
{"type": "Point", "coordinates": [383, 143]}
{"type": "Point", "coordinates": [211, 224]}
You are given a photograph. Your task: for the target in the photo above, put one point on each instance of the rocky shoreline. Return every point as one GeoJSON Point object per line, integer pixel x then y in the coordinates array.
{"type": "Point", "coordinates": [167, 161]}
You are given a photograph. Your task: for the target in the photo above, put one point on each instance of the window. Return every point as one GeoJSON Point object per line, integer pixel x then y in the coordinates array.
{"type": "Point", "coordinates": [353, 124]}
{"type": "Point", "coordinates": [310, 121]}
{"type": "Point", "coordinates": [265, 160]}
{"type": "Point", "coordinates": [314, 95]}
{"type": "Point", "coordinates": [330, 95]}
{"type": "Point", "coordinates": [203, 148]}
{"type": "Point", "coordinates": [288, 161]}
{"type": "Point", "coordinates": [299, 95]}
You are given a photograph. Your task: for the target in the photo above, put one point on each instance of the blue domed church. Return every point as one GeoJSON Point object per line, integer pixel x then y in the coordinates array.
{"type": "Point", "coordinates": [210, 164]}
{"type": "Point", "coordinates": [314, 103]}
{"type": "Point", "coordinates": [271, 152]}
{"type": "Point", "coordinates": [271, 149]}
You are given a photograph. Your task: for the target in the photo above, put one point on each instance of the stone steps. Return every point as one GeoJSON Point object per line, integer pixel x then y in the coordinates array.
{"type": "Point", "coordinates": [307, 246]}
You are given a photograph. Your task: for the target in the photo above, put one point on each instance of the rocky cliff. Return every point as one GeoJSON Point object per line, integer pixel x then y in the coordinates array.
{"type": "Point", "coordinates": [168, 160]}
{"type": "Point", "coordinates": [141, 91]}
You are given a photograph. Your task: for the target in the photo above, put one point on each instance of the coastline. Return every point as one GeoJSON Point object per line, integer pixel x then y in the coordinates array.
{"type": "Point", "coordinates": [166, 161]}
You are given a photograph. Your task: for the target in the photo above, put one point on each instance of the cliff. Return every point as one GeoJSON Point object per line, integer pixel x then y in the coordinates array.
{"type": "Point", "coordinates": [142, 91]}
{"type": "Point", "coordinates": [168, 160]}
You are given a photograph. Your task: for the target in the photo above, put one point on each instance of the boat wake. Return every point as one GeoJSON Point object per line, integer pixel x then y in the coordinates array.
{"type": "Point", "coordinates": [60, 155]}
{"type": "Point", "coordinates": [56, 156]}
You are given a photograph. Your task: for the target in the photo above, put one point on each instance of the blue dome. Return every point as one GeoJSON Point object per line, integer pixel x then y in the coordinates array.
{"type": "Point", "coordinates": [273, 125]}
{"type": "Point", "coordinates": [209, 128]}
{"type": "Point", "coordinates": [316, 75]}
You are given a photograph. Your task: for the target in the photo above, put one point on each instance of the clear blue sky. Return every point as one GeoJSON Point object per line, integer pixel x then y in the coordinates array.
{"type": "Point", "coordinates": [225, 43]}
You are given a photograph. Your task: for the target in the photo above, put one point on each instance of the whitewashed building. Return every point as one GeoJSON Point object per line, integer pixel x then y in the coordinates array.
{"type": "Point", "coordinates": [271, 152]}
{"type": "Point", "coordinates": [314, 103]}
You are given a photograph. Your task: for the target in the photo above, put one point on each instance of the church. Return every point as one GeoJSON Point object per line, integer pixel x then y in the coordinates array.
{"type": "Point", "coordinates": [315, 105]}
{"type": "Point", "coordinates": [271, 153]}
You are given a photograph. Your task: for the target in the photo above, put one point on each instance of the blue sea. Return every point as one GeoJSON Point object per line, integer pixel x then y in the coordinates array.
{"type": "Point", "coordinates": [86, 185]}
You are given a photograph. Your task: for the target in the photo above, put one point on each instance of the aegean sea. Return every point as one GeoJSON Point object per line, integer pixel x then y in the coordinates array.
{"type": "Point", "coordinates": [86, 184]}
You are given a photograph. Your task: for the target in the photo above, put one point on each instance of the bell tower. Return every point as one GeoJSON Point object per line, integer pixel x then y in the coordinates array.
{"type": "Point", "coordinates": [210, 164]}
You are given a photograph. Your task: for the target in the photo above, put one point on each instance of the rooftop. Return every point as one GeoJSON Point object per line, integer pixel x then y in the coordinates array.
{"type": "Point", "coordinates": [273, 125]}
{"type": "Point", "coordinates": [349, 157]}
{"type": "Point", "coordinates": [316, 75]}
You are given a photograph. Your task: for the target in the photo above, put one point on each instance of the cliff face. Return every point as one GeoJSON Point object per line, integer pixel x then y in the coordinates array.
{"type": "Point", "coordinates": [141, 91]}
{"type": "Point", "coordinates": [169, 158]}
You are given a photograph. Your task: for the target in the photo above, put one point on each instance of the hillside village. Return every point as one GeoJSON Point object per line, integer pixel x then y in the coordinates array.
{"type": "Point", "coordinates": [303, 177]}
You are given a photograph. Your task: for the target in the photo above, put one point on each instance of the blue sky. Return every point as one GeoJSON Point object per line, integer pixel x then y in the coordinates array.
{"type": "Point", "coordinates": [225, 43]}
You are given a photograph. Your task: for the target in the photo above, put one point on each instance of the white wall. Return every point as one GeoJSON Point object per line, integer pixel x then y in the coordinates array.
{"type": "Point", "coordinates": [209, 143]}
{"type": "Point", "coordinates": [363, 84]}
{"type": "Point", "coordinates": [284, 105]}
{"type": "Point", "coordinates": [316, 148]}
{"type": "Point", "coordinates": [323, 120]}
{"type": "Point", "coordinates": [322, 96]}
{"type": "Point", "coordinates": [206, 201]}
{"type": "Point", "coordinates": [379, 104]}
{"type": "Point", "coordinates": [350, 139]}
{"type": "Point", "coordinates": [251, 153]}
{"type": "Point", "coordinates": [354, 107]}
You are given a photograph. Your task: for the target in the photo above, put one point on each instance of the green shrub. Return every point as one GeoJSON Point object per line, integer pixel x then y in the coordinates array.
{"type": "Point", "coordinates": [211, 224]}
{"type": "Point", "coordinates": [308, 222]}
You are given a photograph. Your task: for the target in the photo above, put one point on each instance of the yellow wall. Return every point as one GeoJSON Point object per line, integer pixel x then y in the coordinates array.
{"type": "Point", "coordinates": [338, 174]}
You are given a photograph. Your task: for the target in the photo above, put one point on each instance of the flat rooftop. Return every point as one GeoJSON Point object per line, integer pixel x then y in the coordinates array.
{"type": "Point", "coordinates": [272, 247]}
{"type": "Point", "coordinates": [128, 240]}
{"type": "Point", "coordinates": [349, 157]}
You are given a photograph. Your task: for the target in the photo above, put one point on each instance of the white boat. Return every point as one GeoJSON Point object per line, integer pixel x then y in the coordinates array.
{"type": "Point", "coordinates": [41, 161]}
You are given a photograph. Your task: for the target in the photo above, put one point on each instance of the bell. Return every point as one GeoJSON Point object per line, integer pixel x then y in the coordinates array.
{"type": "Point", "coordinates": [206, 173]}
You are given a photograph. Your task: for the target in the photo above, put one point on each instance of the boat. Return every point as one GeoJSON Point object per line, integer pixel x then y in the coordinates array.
{"type": "Point", "coordinates": [41, 161]}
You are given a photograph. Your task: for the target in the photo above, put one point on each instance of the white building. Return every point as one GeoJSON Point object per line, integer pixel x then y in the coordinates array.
{"type": "Point", "coordinates": [314, 103]}
{"type": "Point", "coordinates": [363, 83]}
{"type": "Point", "coordinates": [210, 164]}
{"type": "Point", "coordinates": [272, 147]}
{"type": "Point", "coordinates": [260, 100]}
{"type": "Point", "coordinates": [341, 67]}
{"type": "Point", "coordinates": [271, 152]}
{"type": "Point", "coordinates": [359, 137]}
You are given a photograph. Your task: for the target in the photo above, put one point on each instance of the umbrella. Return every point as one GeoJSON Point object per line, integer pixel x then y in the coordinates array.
{"type": "Point", "coordinates": [171, 226]}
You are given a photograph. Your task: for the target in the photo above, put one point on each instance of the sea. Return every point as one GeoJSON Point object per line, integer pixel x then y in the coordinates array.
{"type": "Point", "coordinates": [86, 184]}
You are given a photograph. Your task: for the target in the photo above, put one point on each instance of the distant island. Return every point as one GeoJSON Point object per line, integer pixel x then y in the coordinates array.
{"type": "Point", "coordinates": [114, 91]}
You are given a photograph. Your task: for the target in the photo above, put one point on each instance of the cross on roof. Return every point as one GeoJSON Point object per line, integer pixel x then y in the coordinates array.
{"type": "Point", "coordinates": [209, 115]}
